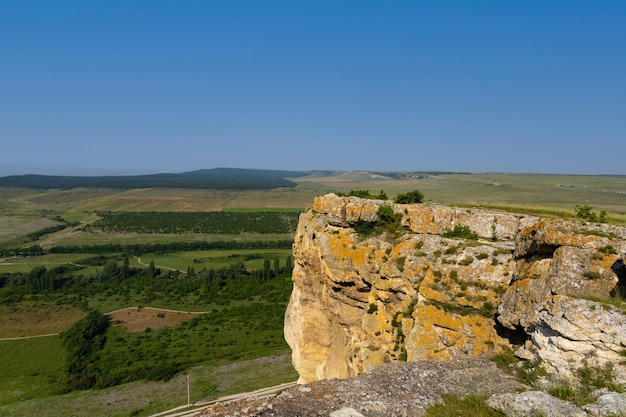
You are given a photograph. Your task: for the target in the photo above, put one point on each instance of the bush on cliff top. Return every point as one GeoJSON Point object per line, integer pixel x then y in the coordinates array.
{"type": "Point", "coordinates": [461, 232]}
{"type": "Point", "coordinates": [412, 197]}
{"type": "Point", "coordinates": [365, 194]}
{"type": "Point", "coordinates": [387, 221]}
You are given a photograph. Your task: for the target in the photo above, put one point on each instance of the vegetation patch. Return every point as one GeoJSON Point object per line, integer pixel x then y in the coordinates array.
{"type": "Point", "coordinates": [461, 232]}
{"type": "Point", "coordinates": [453, 406]}
{"type": "Point", "coordinates": [487, 309]}
{"type": "Point", "coordinates": [139, 319]}
{"type": "Point", "coordinates": [527, 371]}
{"type": "Point", "coordinates": [387, 221]}
{"type": "Point", "coordinates": [585, 212]}
{"type": "Point", "coordinates": [365, 194]}
{"type": "Point", "coordinates": [182, 222]}
{"type": "Point", "coordinates": [607, 302]}
{"type": "Point", "coordinates": [412, 197]}
{"type": "Point", "coordinates": [591, 378]}
{"type": "Point", "coordinates": [607, 250]}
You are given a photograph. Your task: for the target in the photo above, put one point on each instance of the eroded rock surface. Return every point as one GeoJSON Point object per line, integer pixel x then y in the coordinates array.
{"type": "Point", "coordinates": [359, 301]}
{"type": "Point", "coordinates": [391, 390]}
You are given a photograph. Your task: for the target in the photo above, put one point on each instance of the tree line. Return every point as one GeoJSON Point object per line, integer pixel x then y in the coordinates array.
{"type": "Point", "coordinates": [141, 248]}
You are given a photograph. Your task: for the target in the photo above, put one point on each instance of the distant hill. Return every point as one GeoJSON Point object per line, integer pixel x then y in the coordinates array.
{"type": "Point", "coordinates": [220, 178]}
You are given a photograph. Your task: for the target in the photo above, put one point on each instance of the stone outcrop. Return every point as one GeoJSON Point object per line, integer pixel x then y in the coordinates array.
{"type": "Point", "coordinates": [534, 403]}
{"type": "Point", "coordinates": [361, 301]}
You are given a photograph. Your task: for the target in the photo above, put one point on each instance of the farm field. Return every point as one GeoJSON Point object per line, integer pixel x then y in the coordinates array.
{"type": "Point", "coordinates": [61, 258]}
{"type": "Point", "coordinates": [33, 319]}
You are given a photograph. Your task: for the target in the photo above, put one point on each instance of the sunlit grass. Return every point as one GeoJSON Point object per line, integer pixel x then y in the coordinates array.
{"type": "Point", "coordinates": [30, 368]}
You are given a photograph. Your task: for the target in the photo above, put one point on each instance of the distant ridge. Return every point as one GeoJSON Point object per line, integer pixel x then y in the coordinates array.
{"type": "Point", "coordinates": [220, 178]}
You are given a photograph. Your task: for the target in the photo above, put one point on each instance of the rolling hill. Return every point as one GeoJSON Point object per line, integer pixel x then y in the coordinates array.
{"type": "Point", "coordinates": [216, 178]}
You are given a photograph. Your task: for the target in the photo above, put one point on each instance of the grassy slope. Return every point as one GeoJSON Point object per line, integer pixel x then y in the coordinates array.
{"type": "Point", "coordinates": [144, 398]}
{"type": "Point", "coordinates": [30, 368]}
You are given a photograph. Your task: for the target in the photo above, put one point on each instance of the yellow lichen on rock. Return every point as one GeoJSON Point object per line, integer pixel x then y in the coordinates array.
{"type": "Point", "coordinates": [361, 300]}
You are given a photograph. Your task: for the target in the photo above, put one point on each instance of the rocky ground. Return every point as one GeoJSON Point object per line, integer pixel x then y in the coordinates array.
{"type": "Point", "coordinates": [408, 389]}
{"type": "Point", "coordinates": [394, 389]}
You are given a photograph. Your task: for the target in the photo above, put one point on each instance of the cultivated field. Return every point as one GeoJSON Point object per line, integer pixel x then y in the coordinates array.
{"type": "Point", "coordinates": [26, 319]}
{"type": "Point", "coordinates": [136, 319]}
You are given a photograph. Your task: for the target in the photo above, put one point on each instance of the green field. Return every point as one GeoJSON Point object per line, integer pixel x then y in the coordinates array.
{"type": "Point", "coordinates": [30, 368]}
{"type": "Point", "coordinates": [245, 289]}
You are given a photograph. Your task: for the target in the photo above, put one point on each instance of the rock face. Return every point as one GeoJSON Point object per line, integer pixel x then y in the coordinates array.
{"type": "Point", "coordinates": [361, 301]}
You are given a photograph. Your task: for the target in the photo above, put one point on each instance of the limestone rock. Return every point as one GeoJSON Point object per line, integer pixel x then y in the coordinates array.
{"type": "Point", "coordinates": [534, 403]}
{"type": "Point", "coordinates": [608, 405]}
{"type": "Point", "coordinates": [556, 265]}
{"type": "Point", "coordinates": [361, 301]}
{"type": "Point", "coordinates": [346, 412]}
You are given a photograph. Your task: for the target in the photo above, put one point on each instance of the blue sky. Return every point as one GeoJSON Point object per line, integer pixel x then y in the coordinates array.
{"type": "Point", "coordinates": [171, 86]}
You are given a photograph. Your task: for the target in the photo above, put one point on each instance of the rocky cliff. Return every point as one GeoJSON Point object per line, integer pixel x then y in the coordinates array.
{"type": "Point", "coordinates": [430, 290]}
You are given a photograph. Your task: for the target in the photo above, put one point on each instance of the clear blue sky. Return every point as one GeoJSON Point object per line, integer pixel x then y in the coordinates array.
{"type": "Point", "coordinates": [509, 86]}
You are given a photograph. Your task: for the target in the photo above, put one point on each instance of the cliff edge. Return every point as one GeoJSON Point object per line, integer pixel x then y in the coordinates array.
{"type": "Point", "coordinates": [451, 283]}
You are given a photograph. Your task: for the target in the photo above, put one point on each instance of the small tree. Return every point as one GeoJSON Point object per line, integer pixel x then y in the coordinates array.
{"type": "Point", "coordinates": [586, 212]}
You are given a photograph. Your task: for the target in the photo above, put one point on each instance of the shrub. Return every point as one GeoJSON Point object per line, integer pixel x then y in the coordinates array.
{"type": "Point", "coordinates": [451, 250]}
{"type": "Point", "coordinates": [365, 194]}
{"type": "Point", "coordinates": [461, 232]}
{"type": "Point", "coordinates": [388, 221]}
{"type": "Point", "coordinates": [412, 197]}
{"type": "Point", "coordinates": [607, 250]}
{"type": "Point", "coordinates": [365, 228]}
{"type": "Point", "coordinates": [585, 212]}
{"type": "Point", "coordinates": [400, 263]}
{"type": "Point", "coordinates": [387, 217]}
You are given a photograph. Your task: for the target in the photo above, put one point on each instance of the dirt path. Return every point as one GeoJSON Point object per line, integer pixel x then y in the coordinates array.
{"type": "Point", "coordinates": [138, 259]}
{"type": "Point", "coordinates": [158, 309]}
{"type": "Point", "coordinates": [29, 337]}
